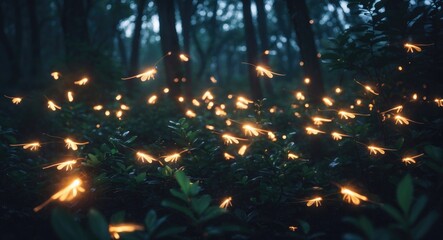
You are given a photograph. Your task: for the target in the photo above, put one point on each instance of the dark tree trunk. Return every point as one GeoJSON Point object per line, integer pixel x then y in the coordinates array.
{"type": "Point", "coordinates": [13, 79]}
{"type": "Point", "coordinates": [35, 39]}
{"type": "Point", "coordinates": [186, 9]}
{"type": "Point", "coordinates": [251, 45]}
{"type": "Point", "coordinates": [298, 12]}
{"type": "Point", "coordinates": [169, 43]}
{"type": "Point", "coordinates": [76, 37]}
{"type": "Point", "coordinates": [122, 49]}
{"type": "Point", "coordinates": [282, 21]}
{"type": "Point", "coordinates": [135, 47]}
{"type": "Point", "coordinates": [264, 41]}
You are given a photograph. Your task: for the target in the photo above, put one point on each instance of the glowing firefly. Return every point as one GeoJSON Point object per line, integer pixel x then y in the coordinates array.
{"type": "Point", "coordinates": [347, 115]}
{"type": "Point", "coordinates": [55, 75]}
{"type": "Point", "coordinates": [98, 107]}
{"type": "Point", "coordinates": [226, 203]}
{"type": "Point", "coordinates": [292, 228]}
{"type": "Point", "coordinates": [439, 102]}
{"type": "Point", "coordinates": [172, 157]}
{"type": "Point", "coordinates": [397, 109]}
{"type": "Point", "coordinates": [402, 120]}
{"type": "Point", "coordinates": [316, 201]}
{"type": "Point", "coordinates": [81, 82]}
{"type": "Point", "coordinates": [213, 80]}
{"type": "Point", "coordinates": [231, 139]}
{"type": "Point", "coordinates": [70, 96]}
{"type": "Point", "coordinates": [228, 156]}
{"type": "Point", "coordinates": [115, 229]}
{"type": "Point", "coordinates": [34, 146]}
{"type": "Point", "coordinates": [66, 194]}
{"type": "Point", "coordinates": [183, 57]}
{"type": "Point", "coordinates": [250, 130]}
{"type": "Point", "coordinates": [328, 101]}
{"type": "Point", "coordinates": [144, 157]}
{"type": "Point", "coordinates": [368, 88]}
{"type": "Point", "coordinates": [15, 100]}
{"type": "Point", "coordinates": [411, 159]}
{"type": "Point", "coordinates": [414, 47]}
{"type": "Point", "coordinates": [352, 197]}
{"type": "Point", "coordinates": [152, 99]}
{"type": "Point", "coordinates": [147, 75]}
{"type": "Point", "coordinates": [66, 164]}
{"type": "Point", "coordinates": [53, 106]}
{"type": "Point", "coordinates": [338, 136]}
{"type": "Point", "coordinates": [207, 95]}
{"type": "Point", "coordinates": [319, 120]}
{"type": "Point", "coordinates": [73, 145]}
{"type": "Point", "coordinates": [292, 156]}
{"type": "Point", "coordinates": [242, 150]}
{"type": "Point", "coordinates": [313, 131]}
{"type": "Point", "coordinates": [191, 114]}
{"type": "Point", "coordinates": [375, 150]}
{"type": "Point", "coordinates": [299, 96]}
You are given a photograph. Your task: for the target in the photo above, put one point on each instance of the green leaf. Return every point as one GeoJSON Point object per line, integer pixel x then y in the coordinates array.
{"type": "Point", "coordinates": [178, 194]}
{"type": "Point", "coordinates": [394, 213]}
{"type": "Point", "coordinates": [417, 208]}
{"type": "Point", "coordinates": [404, 193]}
{"type": "Point", "coordinates": [65, 226]}
{"type": "Point", "coordinates": [199, 205]}
{"type": "Point", "coordinates": [434, 152]}
{"type": "Point", "coordinates": [150, 219]}
{"type": "Point", "coordinates": [98, 225]}
{"type": "Point", "coordinates": [171, 231]}
{"type": "Point", "coordinates": [419, 231]}
{"type": "Point", "coordinates": [179, 208]}
{"type": "Point", "coordinates": [140, 177]}
{"type": "Point", "coordinates": [183, 181]}
{"type": "Point", "coordinates": [210, 213]}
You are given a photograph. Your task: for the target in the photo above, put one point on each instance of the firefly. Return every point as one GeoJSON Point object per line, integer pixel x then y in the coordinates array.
{"type": "Point", "coordinates": [81, 82]}
{"type": "Point", "coordinates": [375, 150]}
{"type": "Point", "coordinates": [299, 96]}
{"type": "Point", "coordinates": [242, 150]}
{"type": "Point", "coordinates": [115, 229]}
{"type": "Point", "coordinates": [228, 156]}
{"type": "Point", "coordinates": [352, 197]}
{"type": "Point", "coordinates": [55, 75]}
{"type": "Point", "coordinates": [319, 120]}
{"type": "Point", "coordinates": [313, 131]}
{"type": "Point", "coordinates": [124, 107]}
{"type": "Point", "coordinates": [73, 145]}
{"type": "Point", "coordinates": [338, 136]}
{"type": "Point", "coordinates": [213, 80]}
{"type": "Point", "coordinates": [292, 156]}
{"type": "Point", "coordinates": [97, 107]}
{"type": "Point", "coordinates": [347, 115]}
{"type": "Point", "coordinates": [220, 112]}
{"type": "Point", "coordinates": [402, 120]}
{"type": "Point", "coordinates": [118, 97]}
{"type": "Point", "coordinates": [411, 160]}
{"type": "Point", "coordinates": [70, 96]}
{"type": "Point", "coordinates": [196, 102]}
{"type": "Point", "coordinates": [66, 194]}
{"type": "Point", "coordinates": [145, 76]}
{"type": "Point", "coordinates": [15, 100]}
{"type": "Point", "coordinates": [152, 99]}
{"type": "Point", "coordinates": [119, 114]}
{"type": "Point", "coordinates": [66, 164]}
{"type": "Point", "coordinates": [144, 157]}
{"type": "Point", "coordinates": [53, 106]}
{"type": "Point", "coordinates": [226, 203]}
{"type": "Point", "coordinates": [34, 146]}
{"type": "Point", "coordinates": [316, 201]}
{"type": "Point", "coordinates": [183, 57]}
{"type": "Point", "coordinates": [250, 130]}
{"type": "Point", "coordinates": [328, 101]}
{"type": "Point", "coordinates": [439, 102]}
{"type": "Point", "coordinates": [262, 71]}
{"type": "Point", "coordinates": [172, 157]}
{"type": "Point", "coordinates": [191, 114]}
{"type": "Point", "coordinates": [207, 95]}
{"type": "Point", "coordinates": [271, 136]}
{"type": "Point", "coordinates": [292, 228]}
{"type": "Point", "coordinates": [397, 109]}
{"type": "Point", "coordinates": [414, 47]}
{"type": "Point", "coordinates": [231, 139]}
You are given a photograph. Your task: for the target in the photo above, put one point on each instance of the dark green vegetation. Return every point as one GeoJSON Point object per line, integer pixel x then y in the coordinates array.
{"type": "Point", "coordinates": [269, 191]}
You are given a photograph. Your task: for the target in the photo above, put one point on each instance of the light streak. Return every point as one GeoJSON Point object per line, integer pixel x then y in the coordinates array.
{"type": "Point", "coordinates": [316, 201]}
{"type": "Point", "coordinates": [15, 100]}
{"type": "Point", "coordinates": [66, 194]}
{"type": "Point", "coordinates": [352, 197]}
{"type": "Point", "coordinates": [81, 82]}
{"type": "Point", "coordinates": [34, 146]}
{"type": "Point", "coordinates": [73, 145]}
{"type": "Point", "coordinates": [226, 203]}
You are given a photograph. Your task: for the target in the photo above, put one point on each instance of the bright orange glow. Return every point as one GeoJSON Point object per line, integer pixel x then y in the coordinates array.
{"type": "Point", "coordinates": [262, 71]}
{"type": "Point", "coordinates": [411, 159]}
{"type": "Point", "coordinates": [313, 131]}
{"type": "Point", "coordinates": [226, 203]}
{"type": "Point", "coordinates": [15, 100]}
{"type": "Point", "coordinates": [410, 47]}
{"type": "Point", "coordinates": [439, 102]}
{"type": "Point", "coordinates": [327, 101]}
{"type": "Point", "coordinates": [196, 102]}
{"type": "Point", "coordinates": [34, 146]}
{"type": "Point", "coordinates": [55, 75]}
{"type": "Point", "coordinates": [250, 130]}
{"type": "Point", "coordinates": [307, 80]}
{"type": "Point", "coordinates": [172, 157]}
{"type": "Point", "coordinates": [397, 109]}
{"type": "Point", "coordinates": [316, 201]}
{"type": "Point", "coordinates": [66, 164]}
{"type": "Point", "coordinates": [292, 228]}
{"type": "Point", "coordinates": [338, 136]}
{"type": "Point", "coordinates": [114, 229]}
{"type": "Point", "coordinates": [70, 96]}
{"type": "Point", "coordinates": [319, 120]}
{"type": "Point", "coordinates": [352, 197]}
{"type": "Point", "coordinates": [347, 115]}
{"type": "Point", "coordinates": [220, 112]}
{"type": "Point", "coordinates": [152, 99]}
{"type": "Point", "coordinates": [213, 80]}
{"type": "Point", "coordinates": [141, 156]}
{"type": "Point", "coordinates": [124, 107]}
{"type": "Point", "coordinates": [292, 156]}
{"type": "Point", "coordinates": [190, 114]}
{"type": "Point", "coordinates": [53, 106]}
{"type": "Point", "coordinates": [402, 120]}
{"type": "Point", "coordinates": [81, 82]}
{"type": "Point", "coordinates": [73, 145]}
{"type": "Point", "coordinates": [299, 96]}
{"type": "Point", "coordinates": [207, 95]}
{"type": "Point", "coordinates": [145, 76]}
{"type": "Point", "coordinates": [183, 57]}
{"type": "Point", "coordinates": [229, 139]}
{"type": "Point", "coordinates": [375, 150]}
{"type": "Point", "coordinates": [66, 194]}
{"type": "Point", "coordinates": [242, 150]}
{"type": "Point", "coordinates": [228, 156]}
{"type": "Point", "coordinates": [181, 99]}
{"type": "Point", "coordinates": [338, 90]}
{"type": "Point", "coordinates": [97, 107]}
{"type": "Point", "coordinates": [119, 114]}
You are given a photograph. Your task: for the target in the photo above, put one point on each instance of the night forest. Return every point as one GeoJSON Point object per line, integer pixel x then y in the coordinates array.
{"type": "Point", "coordinates": [221, 119]}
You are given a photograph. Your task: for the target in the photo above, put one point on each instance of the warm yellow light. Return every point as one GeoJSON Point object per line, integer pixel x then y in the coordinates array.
{"type": "Point", "coordinates": [242, 150]}
{"type": "Point", "coordinates": [66, 164]}
{"type": "Point", "coordinates": [97, 107]}
{"type": "Point", "coordinates": [411, 159]}
{"type": "Point", "coordinates": [352, 197]}
{"type": "Point", "coordinates": [147, 75]}
{"type": "Point", "coordinates": [375, 150]}
{"type": "Point", "coordinates": [124, 107]}
{"type": "Point", "coordinates": [328, 101]}
{"type": "Point", "coordinates": [319, 120]}
{"type": "Point", "coordinates": [70, 96]}
{"type": "Point", "coordinates": [66, 194]}
{"type": "Point", "coordinates": [53, 106]}
{"type": "Point", "coordinates": [181, 99]}
{"type": "Point", "coordinates": [34, 146]}
{"type": "Point", "coordinates": [307, 80]}
{"type": "Point", "coordinates": [15, 100]}
{"type": "Point", "coordinates": [229, 139]}
{"type": "Point", "coordinates": [55, 75]}
{"type": "Point", "coordinates": [73, 145]}
{"type": "Point", "coordinates": [316, 201]}
{"type": "Point", "coordinates": [172, 157]}
{"type": "Point", "coordinates": [183, 57]}
{"type": "Point", "coordinates": [338, 136]}
{"type": "Point", "coordinates": [338, 90]}
{"type": "Point", "coordinates": [141, 156]}
{"type": "Point", "coordinates": [313, 131]}
{"type": "Point", "coordinates": [190, 114]}
{"type": "Point", "coordinates": [196, 102]}
{"type": "Point", "coordinates": [292, 156]}
{"type": "Point", "coordinates": [226, 203]}
{"type": "Point", "coordinates": [152, 99]}
{"type": "Point", "coordinates": [81, 82]}
{"type": "Point", "coordinates": [118, 97]}
{"type": "Point", "coordinates": [228, 156]}
{"type": "Point", "coordinates": [166, 90]}
{"type": "Point", "coordinates": [213, 80]}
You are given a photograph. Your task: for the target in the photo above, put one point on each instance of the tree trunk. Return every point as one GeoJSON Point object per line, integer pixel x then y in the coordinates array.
{"type": "Point", "coordinates": [298, 12]}
{"type": "Point", "coordinates": [169, 43]}
{"type": "Point", "coordinates": [10, 53]}
{"type": "Point", "coordinates": [35, 39]}
{"type": "Point", "coordinates": [186, 9]}
{"type": "Point", "coordinates": [135, 47]}
{"type": "Point", "coordinates": [282, 22]}
{"type": "Point", "coordinates": [122, 50]}
{"type": "Point", "coordinates": [76, 38]}
{"type": "Point", "coordinates": [251, 46]}
{"type": "Point", "coordinates": [264, 41]}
